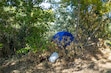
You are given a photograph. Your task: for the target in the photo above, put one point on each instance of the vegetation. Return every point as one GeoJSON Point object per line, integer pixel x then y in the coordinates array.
{"type": "Point", "coordinates": [27, 27]}
{"type": "Point", "coordinates": [22, 25]}
{"type": "Point", "coordinates": [86, 19]}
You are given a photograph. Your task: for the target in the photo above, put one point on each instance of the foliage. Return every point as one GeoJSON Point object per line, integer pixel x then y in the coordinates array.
{"type": "Point", "coordinates": [63, 16]}
{"type": "Point", "coordinates": [25, 24]}
{"type": "Point", "coordinates": [24, 50]}
{"type": "Point", "coordinates": [89, 19]}
{"type": "Point", "coordinates": [22, 25]}
{"type": "Point", "coordinates": [1, 45]}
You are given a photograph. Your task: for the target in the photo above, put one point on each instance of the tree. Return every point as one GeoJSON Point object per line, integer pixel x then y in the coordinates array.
{"type": "Point", "coordinates": [63, 15]}
{"type": "Point", "coordinates": [22, 24]}
{"type": "Point", "coordinates": [87, 18]}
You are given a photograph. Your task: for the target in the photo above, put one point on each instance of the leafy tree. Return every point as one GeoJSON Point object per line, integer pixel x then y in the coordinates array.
{"type": "Point", "coordinates": [88, 18]}
{"type": "Point", "coordinates": [22, 24]}
{"type": "Point", "coordinates": [63, 15]}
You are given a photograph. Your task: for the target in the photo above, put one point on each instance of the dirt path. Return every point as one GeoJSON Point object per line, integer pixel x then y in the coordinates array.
{"type": "Point", "coordinates": [24, 65]}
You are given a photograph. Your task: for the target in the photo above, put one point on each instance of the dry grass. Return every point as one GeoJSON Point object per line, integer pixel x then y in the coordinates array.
{"type": "Point", "coordinates": [95, 58]}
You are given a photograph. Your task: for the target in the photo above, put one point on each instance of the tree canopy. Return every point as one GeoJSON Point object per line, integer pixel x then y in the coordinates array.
{"type": "Point", "coordinates": [86, 18]}
{"type": "Point", "coordinates": [22, 24]}
{"type": "Point", "coordinates": [25, 24]}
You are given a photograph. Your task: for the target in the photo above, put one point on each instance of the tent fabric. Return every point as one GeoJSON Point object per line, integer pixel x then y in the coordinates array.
{"type": "Point", "coordinates": [63, 37]}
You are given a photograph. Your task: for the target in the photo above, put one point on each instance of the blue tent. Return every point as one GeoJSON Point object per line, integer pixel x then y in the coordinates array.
{"type": "Point", "coordinates": [58, 37]}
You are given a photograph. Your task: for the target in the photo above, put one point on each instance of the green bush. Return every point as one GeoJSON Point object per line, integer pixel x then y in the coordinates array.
{"type": "Point", "coordinates": [34, 40]}
{"type": "Point", "coordinates": [1, 45]}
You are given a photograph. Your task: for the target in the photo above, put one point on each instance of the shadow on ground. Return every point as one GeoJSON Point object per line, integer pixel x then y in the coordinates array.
{"type": "Point", "coordinates": [93, 60]}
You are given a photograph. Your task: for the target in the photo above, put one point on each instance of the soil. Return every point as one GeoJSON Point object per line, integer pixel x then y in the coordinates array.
{"type": "Point", "coordinates": [91, 61]}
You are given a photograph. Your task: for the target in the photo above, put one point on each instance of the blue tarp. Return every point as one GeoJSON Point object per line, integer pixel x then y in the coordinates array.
{"type": "Point", "coordinates": [60, 37]}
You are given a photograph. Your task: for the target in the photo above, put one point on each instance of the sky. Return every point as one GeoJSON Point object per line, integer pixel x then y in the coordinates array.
{"type": "Point", "coordinates": [47, 5]}
{"type": "Point", "coordinates": [110, 15]}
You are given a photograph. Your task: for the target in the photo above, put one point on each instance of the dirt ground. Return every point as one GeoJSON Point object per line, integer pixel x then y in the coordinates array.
{"type": "Point", "coordinates": [91, 61]}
